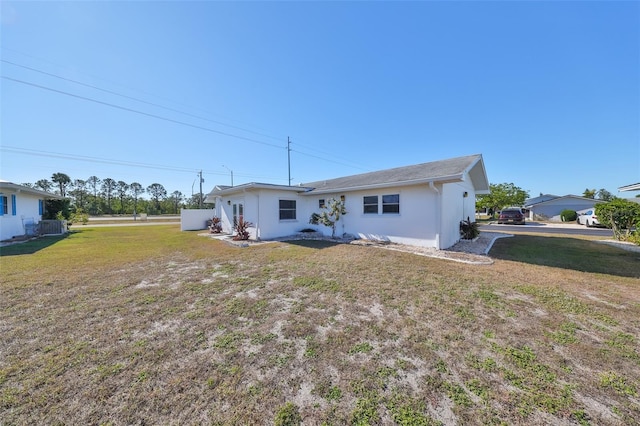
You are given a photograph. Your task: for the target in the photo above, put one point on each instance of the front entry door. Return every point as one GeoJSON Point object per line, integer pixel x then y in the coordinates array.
{"type": "Point", "coordinates": [238, 213]}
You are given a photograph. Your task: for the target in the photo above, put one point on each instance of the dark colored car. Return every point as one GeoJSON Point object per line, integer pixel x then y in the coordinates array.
{"type": "Point", "coordinates": [513, 215]}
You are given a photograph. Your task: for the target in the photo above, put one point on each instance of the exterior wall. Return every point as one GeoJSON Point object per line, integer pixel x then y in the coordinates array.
{"type": "Point", "coordinates": [551, 210]}
{"type": "Point", "coordinates": [414, 225]}
{"type": "Point", "coordinates": [423, 212]}
{"type": "Point", "coordinates": [455, 208]}
{"type": "Point", "coordinates": [27, 210]}
{"type": "Point", "coordinates": [195, 219]}
{"type": "Point", "coordinates": [262, 209]}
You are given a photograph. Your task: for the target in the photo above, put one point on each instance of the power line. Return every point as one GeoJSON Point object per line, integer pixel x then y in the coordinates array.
{"type": "Point", "coordinates": [137, 99]}
{"type": "Point", "coordinates": [352, 165]}
{"type": "Point", "coordinates": [171, 120]}
{"type": "Point", "coordinates": [134, 89]}
{"type": "Point", "coordinates": [171, 109]}
{"type": "Point", "coordinates": [89, 159]}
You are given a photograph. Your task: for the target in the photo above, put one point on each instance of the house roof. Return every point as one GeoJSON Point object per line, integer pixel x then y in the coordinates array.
{"type": "Point", "coordinates": [632, 187]}
{"type": "Point", "coordinates": [13, 187]}
{"type": "Point", "coordinates": [541, 198]}
{"type": "Point", "coordinates": [220, 190]}
{"type": "Point", "coordinates": [443, 171]}
{"type": "Point", "coordinates": [451, 170]}
{"type": "Point", "coordinates": [556, 199]}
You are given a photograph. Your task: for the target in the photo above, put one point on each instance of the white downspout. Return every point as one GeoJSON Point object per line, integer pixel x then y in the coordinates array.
{"type": "Point", "coordinates": [438, 214]}
{"type": "Point", "coordinates": [258, 221]}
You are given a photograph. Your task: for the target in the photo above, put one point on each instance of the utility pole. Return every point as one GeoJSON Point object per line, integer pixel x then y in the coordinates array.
{"type": "Point", "coordinates": [231, 173]}
{"type": "Point", "coordinates": [200, 195]}
{"type": "Point", "coordinates": [289, 158]}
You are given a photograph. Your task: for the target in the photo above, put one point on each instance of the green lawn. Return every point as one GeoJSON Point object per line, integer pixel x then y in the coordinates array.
{"type": "Point", "coordinates": [133, 325]}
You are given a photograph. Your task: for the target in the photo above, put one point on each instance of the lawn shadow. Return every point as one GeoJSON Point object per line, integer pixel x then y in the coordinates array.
{"type": "Point", "coordinates": [314, 244]}
{"type": "Point", "coordinates": [568, 253]}
{"type": "Point", "coordinates": [32, 246]}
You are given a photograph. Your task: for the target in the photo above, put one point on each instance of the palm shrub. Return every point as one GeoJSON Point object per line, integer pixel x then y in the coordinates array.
{"type": "Point", "coordinates": [242, 229]}
{"type": "Point", "coordinates": [469, 230]}
{"type": "Point", "coordinates": [216, 225]}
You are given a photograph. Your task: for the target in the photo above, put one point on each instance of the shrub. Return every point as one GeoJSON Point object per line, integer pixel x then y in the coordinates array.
{"type": "Point", "coordinates": [568, 215]}
{"type": "Point", "coordinates": [242, 229]}
{"type": "Point", "coordinates": [80, 216]}
{"type": "Point", "coordinates": [469, 230]}
{"type": "Point", "coordinates": [216, 225]}
{"type": "Point", "coordinates": [619, 215]}
{"type": "Point", "coordinates": [333, 209]}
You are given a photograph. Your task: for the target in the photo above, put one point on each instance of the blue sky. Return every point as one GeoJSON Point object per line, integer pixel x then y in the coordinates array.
{"type": "Point", "coordinates": [547, 92]}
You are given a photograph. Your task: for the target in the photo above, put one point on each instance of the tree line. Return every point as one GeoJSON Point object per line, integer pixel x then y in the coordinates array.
{"type": "Point", "coordinates": [97, 196]}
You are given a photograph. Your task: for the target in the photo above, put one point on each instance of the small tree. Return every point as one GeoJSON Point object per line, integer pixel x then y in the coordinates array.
{"type": "Point", "coordinates": [620, 215]}
{"type": "Point", "coordinates": [500, 196]}
{"type": "Point", "coordinates": [333, 209]}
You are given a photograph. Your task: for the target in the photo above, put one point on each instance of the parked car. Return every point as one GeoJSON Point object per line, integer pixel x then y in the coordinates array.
{"type": "Point", "coordinates": [588, 218]}
{"type": "Point", "coordinates": [513, 215]}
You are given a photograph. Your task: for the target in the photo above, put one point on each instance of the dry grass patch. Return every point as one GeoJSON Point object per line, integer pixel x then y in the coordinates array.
{"type": "Point", "coordinates": [151, 325]}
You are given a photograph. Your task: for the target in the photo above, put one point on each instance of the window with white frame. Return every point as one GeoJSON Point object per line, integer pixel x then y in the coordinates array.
{"type": "Point", "coordinates": [370, 203]}
{"type": "Point", "coordinates": [287, 209]}
{"type": "Point", "coordinates": [391, 204]}
{"type": "Point", "coordinates": [321, 203]}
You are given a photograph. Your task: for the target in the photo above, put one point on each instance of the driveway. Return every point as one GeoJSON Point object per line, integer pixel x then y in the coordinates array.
{"type": "Point", "coordinates": [549, 228]}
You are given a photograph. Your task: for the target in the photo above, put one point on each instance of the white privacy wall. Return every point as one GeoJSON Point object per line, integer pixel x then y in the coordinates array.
{"type": "Point", "coordinates": [195, 219]}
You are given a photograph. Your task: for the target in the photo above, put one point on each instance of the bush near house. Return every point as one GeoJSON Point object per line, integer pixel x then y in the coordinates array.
{"type": "Point", "coordinates": [622, 216]}
{"type": "Point", "coordinates": [330, 216]}
{"type": "Point", "coordinates": [568, 215]}
{"type": "Point", "coordinates": [469, 230]}
{"type": "Point", "coordinates": [242, 229]}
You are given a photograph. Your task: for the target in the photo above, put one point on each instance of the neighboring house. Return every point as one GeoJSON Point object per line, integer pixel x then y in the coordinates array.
{"type": "Point", "coordinates": [420, 205]}
{"type": "Point", "coordinates": [549, 207]}
{"type": "Point", "coordinates": [21, 209]}
{"type": "Point", "coordinates": [632, 187]}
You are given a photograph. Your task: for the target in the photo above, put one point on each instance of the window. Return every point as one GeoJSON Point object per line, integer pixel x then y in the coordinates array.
{"type": "Point", "coordinates": [391, 203]}
{"type": "Point", "coordinates": [287, 209]}
{"type": "Point", "coordinates": [40, 207]}
{"type": "Point", "coordinates": [3, 205]}
{"type": "Point", "coordinates": [13, 204]}
{"type": "Point", "coordinates": [321, 203]}
{"type": "Point", "coordinates": [371, 204]}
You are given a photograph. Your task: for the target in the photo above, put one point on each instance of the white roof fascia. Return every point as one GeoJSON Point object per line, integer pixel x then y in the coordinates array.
{"type": "Point", "coordinates": [10, 186]}
{"type": "Point", "coordinates": [441, 179]}
{"type": "Point", "coordinates": [255, 185]}
{"type": "Point", "coordinates": [632, 187]}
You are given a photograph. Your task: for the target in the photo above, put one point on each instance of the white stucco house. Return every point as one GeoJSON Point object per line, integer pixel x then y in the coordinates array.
{"type": "Point", "coordinates": [21, 208]}
{"type": "Point", "coordinates": [549, 207]}
{"type": "Point", "coordinates": [420, 205]}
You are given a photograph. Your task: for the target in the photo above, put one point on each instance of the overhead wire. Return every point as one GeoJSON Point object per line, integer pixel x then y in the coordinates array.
{"type": "Point", "coordinates": [137, 99]}
{"type": "Point", "coordinates": [159, 117]}
{"type": "Point", "coordinates": [350, 164]}
{"type": "Point", "coordinates": [90, 159]}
